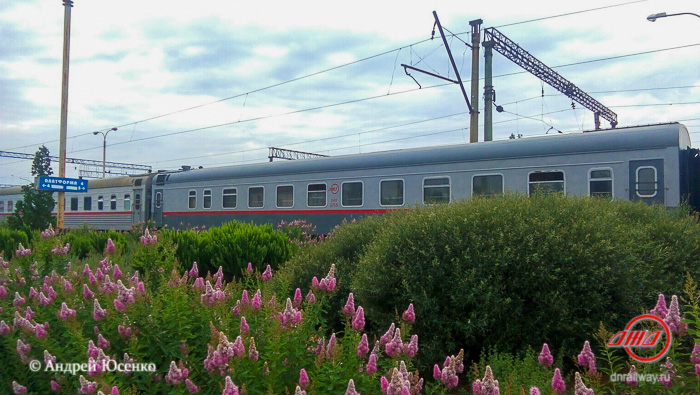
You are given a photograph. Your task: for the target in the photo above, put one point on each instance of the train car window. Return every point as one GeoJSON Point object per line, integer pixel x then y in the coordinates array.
{"type": "Point", "coordinates": [127, 202]}
{"type": "Point", "coordinates": [74, 204]}
{"type": "Point", "coordinates": [546, 182]}
{"type": "Point", "coordinates": [10, 206]}
{"type": "Point", "coordinates": [100, 203]}
{"type": "Point", "coordinates": [2, 206]}
{"type": "Point", "coordinates": [256, 197]}
{"type": "Point", "coordinates": [113, 202]}
{"type": "Point", "coordinates": [192, 200]}
{"type": "Point", "coordinates": [229, 198]}
{"type": "Point", "coordinates": [137, 202]}
{"type": "Point", "coordinates": [647, 182]}
{"type": "Point", "coordinates": [87, 203]}
{"type": "Point", "coordinates": [487, 185]}
{"type": "Point", "coordinates": [436, 190]}
{"type": "Point", "coordinates": [159, 199]}
{"type": "Point", "coordinates": [600, 183]}
{"type": "Point", "coordinates": [351, 194]}
{"type": "Point", "coordinates": [316, 195]}
{"type": "Point", "coordinates": [207, 198]}
{"type": "Point", "coordinates": [285, 196]}
{"type": "Point", "coordinates": [391, 192]}
{"type": "Point", "coordinates": [137, 182]}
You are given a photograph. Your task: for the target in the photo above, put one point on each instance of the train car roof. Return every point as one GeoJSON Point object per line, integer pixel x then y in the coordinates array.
{"type": "Point", "coordinates": [621, 139]}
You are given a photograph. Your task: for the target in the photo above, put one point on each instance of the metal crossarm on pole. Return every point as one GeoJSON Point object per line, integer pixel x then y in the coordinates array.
{"type": "Point", "coordinates": [524, 59]}
{"type": "Point", "coordinates": [288, 154]}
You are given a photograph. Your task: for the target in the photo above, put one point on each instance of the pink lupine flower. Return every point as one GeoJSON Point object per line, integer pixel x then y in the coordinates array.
{"type": "Point", "coordinates": [673, 318]}
{"type": "Point", "coordinates": [411, 348]}
{"type": "Point", "coordinates": [449, 375]}
{"type": "Point", "coordinates": [695, 354]}
{"type": "Point", "coordinates": [244, 326]}
{"type": "Point", "coordinates": [29, 314]}
{"type": "Point", "coordinates": [52, 293]}
{"type": "Point", "coordinates": [256, 301]}
{"type": "Point", "coordinates": [116, 272]}
{"type": "Point", "coordinates": [3, 292]}
{"type": "Point", "coordinates": [437, 373]}
{"type": "Point", "coordinates": [86, 387]}
{"type": "Point", "coordinates": [229, 387]}
{"type": "Point", "coordinates": [147, 239]}
{"type": "Point", "coordinates": [55, 387]}
{"type": "Point", "coordinates": [194, 271]}
{"type": "Point", "coordinates": [358, 321]}
{"type": "Point", "coordinates": [175, 375]}
{"type": "Point", "coordinates": [586, 357]}
{"type": "Point", "coordinates": [351, 389]}
{"type": "Point", "coordinates": [252, 351]}
{"type": "Point", "coordinates": [219, 273]}
{"type": "Point", "coordinates": [534, 391]}
{"type": "Point", "coordinates": [193, 389]}
{"type": "Point", "coordinates": [19, 300]}
{"type": "Point", "coordinates": [141, 288]}
{"type": "Point", "coordinates": [236, 309]}
{"type": "Point", "coordinates": [87, 293]}
{"type": "Point", "coordinates": [238, 347]}
{"type": "Point", "coordinates": [299, 391]}
{"type": "Point", "coordinates": [198, 283]}
{"type": "Point", "coordinates": [4, 328]}
{"type": "Point", "coordinates": [115, 390]}
{"type": "Point", "coordinates": [65, 313]}
{"type": "Point", "coordinates": [666, 378]}
{"type": "Point", "coordinates": [297, 298]}
{"type": "Point", "coordinates": [579, 387]}
{"type": "Point", "coordinates": [21, 251]}
{"type": "Point", "coordinates": [110, 246]}
{"type": "Point", "coordinates": [99, 274]}
{"type": "Point", "coordinates": [310, 297]}
{"type": "Point", "coordinates": [314, 283]}
{"type": "Point", "coordinates": [290, 316]}
{"type": "Point", "coordinates": [632, 377]}
{"type": "Point", "coordinates": [219, 283]}
{"type": "Point", "coordinates": [48, 232]}
{"type": "Point", "coordinates": [545, 356]}
{"type": "Point", "coordinates": [395, 346]}
{"type": "Point", "coordinates": [660, 310]}
{"type": "Point", "coordinates": [363, 346]}
{"type": "Point", "coordinates": [48, 358]}
{"type": "Point", "coordinates": [372, 364]}
{"type": "Point", "coordinates": [321, 346]}
{"type": "Point", "coordinates": [92, 350]}
{"type": "Point", "coordinates": [67, 286]}
{"type": "Point", "coordinates": [249, 269]}
{"type": "Point", "coordinates": [119, 306]}
{"type": "Point", "coordinates": [98, 312]}
{"type": "Point", "coordinates": [124, 332]}
{"type": "Point", "coordinates": [43, 300]}
{"type": "Point", "coordinates": [558, 384]}
{"type": "Point", "coordinates": [245, 300]}
{"type": "Point", "coordinates": [303, 378]}
{"type": "Point", "coordinates": [388, 335]}
{"type": "Point", "coordinates": [349, 308]}
{"type": "Point", "coordinates": [267, 274]}
{"type": "Point", "coordinates": [409, 315]}
{"type": "Point", "coordinates": [40, 332]}
{"type": "Point", "coordinates": [22, 348]}
{"type": "Point", "coordinates": [92, 279]}
{"type": "Point", "coordinates": [330, 347]}
{"type": "Point", "coordinates": [17, 388]}
{"type": "Point", "coordinates": [102, 342]}
{"type": "Point", "coordinates": [384, 384]}
{"type": "Point", "coordinates": [271, 302]}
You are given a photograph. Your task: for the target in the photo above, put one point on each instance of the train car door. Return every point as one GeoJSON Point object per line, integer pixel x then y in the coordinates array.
{"type": "Point", "coordinates": [647, 181]}
{"type": "Point", "coordinates": [158, 207]}
{"type": "Point", "coordinates": [137, 207]}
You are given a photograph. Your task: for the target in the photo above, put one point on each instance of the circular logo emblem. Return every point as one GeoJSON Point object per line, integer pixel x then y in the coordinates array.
{"type": "Point", "coordinates": [631, 339]}
{"type": "Point", "coordinates": [334, 188]}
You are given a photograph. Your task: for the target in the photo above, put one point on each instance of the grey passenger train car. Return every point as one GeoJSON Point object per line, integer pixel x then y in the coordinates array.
{"type": "Point", "coordinates": [654, 164]}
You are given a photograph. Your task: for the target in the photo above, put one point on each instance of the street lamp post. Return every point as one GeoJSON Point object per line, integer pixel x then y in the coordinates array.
{"type": "Point", "coordinates": [654, 17]}
{"type": "Point", "coordinates": [104, 148]}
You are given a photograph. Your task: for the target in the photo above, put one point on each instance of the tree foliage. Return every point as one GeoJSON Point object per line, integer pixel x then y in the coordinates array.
{"type": "Point", "coordinates": [34, 211]}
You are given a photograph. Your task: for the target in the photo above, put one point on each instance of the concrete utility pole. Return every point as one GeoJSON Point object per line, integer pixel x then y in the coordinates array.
{"type": "Point", "coordinates": [474, 117]}
{"type": "Point", "coordinates": [67, 5]}
{"type": "Point", "coordinates": [488, 90]}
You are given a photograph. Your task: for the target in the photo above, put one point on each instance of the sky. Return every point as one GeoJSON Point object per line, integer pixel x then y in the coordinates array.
{"type": "Point", "coordinates": [215, 83]}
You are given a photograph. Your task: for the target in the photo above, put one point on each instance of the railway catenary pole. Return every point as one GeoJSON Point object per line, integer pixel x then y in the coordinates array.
{"type": "Point", "coordinates": [474, 116]}
{"type": "Point", "coordinates": [488, 90]}
{"type": "Point", "coordinates": [67, 5]}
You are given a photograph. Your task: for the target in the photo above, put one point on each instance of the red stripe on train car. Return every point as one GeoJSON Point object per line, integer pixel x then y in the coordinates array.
{"type": "Point", "coordinates": [335, 211]}
{"type": "Point", "coordinates": [98, 213]}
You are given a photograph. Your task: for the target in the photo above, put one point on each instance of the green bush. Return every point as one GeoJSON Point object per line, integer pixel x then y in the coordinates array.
{"type": "Point", "coordinates": [9, 240]}
{"type": "Point", "coordinates": [231, 245]}
{"type": "Point", "coordinates": [509, 272]}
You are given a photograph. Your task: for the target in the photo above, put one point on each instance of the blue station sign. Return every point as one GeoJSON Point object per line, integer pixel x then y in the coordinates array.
{"type": "Point", "coordinates": [62, 184]}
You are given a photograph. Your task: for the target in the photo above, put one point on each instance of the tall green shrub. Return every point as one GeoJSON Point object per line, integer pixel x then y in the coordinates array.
{"type": "Point", "coordinates": [9, 240]}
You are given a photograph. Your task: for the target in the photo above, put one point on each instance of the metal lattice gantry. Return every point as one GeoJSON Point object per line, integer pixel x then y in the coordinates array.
{"type": "Point", "coordinates": [288, 154]}
{"type": "Point", "coordinates": [121, 168]}
{"type": "Point", "coordinates": [524, 59]}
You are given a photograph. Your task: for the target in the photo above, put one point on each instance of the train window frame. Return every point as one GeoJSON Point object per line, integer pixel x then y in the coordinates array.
{"type": "Point", "coordinates": [137, 202]}
{"type": "Point", "coordinates": [100, 203]}
{"type": "Point", "coordinates": [563, 180]}
{"type": "Point", "coordinates": [192, 199]}
{"type": "Point", "coordinates": [204, 199]}
{"type": "Point", "coordinates": [503, 184]}
{"type": "Point", "coordinates": [656, 182]}
{"type": "Point", "coordinates": [74, 203]}
{"type": "Point", "coordinates": [362, 193]}
{"type": "Point", "coordinates": [262, 201]}
{"type": "Point", "coordinates": [277, 195]}
{"type": "Point", "coordinates": [224, 195]}
{"type": "Point", "coordinates": [10, 206]}
{"type": "Point", "coordinates": [113, 202]}
{"type": "Point", "coordinates": [448, 185]}
{"type": "Point", "coordinates": [324, 191]}
{"type": "Point", "coordinates": [87, 203]}
{"type": "Point", "coordinates": [611, 178]}
{"type": "Point", "coordinates": [403, 192]}
{"type": "Point", "coordinates": [158, 200]}
{"type": "Point", "coordinates": [127, 202]}
{"type": "Point", "coordinates": [2, 206]}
